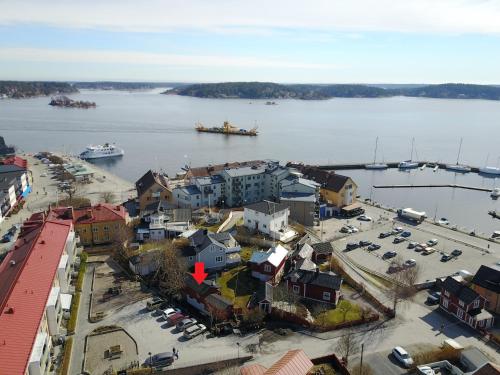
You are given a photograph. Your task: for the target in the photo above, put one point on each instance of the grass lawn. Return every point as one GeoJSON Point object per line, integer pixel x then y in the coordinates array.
{"type": "Point", "coordinates": [246, 253]}
{"type": "Point", "coordinates": [336, 316]}
{"type": "Point", "coordinates": [238, 285]}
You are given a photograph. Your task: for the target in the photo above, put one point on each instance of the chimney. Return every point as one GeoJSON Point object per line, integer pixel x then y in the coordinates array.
{"type": "Point", "coordinates": [317, 270]}
{"type": "Point", "coordinates": [12, 263]}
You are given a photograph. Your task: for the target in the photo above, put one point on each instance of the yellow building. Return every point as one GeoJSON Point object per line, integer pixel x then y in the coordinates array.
{"type": "Point", "coordinates": [152, 187]}
{"type": "Point", "coordinates": [100, 224]}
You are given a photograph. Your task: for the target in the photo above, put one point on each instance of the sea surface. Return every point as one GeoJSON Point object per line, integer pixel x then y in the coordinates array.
{"type": "Point", "coordinates": [157, 131]}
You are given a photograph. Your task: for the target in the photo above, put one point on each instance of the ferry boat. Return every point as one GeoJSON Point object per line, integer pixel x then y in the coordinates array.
{"type": "Point", "coordinates": [227, 129]}
{"type": "Point", "coordinates": [106, 150]}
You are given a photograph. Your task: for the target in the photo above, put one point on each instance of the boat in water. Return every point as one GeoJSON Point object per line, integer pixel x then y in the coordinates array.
{"type": "Point", "coordinates": [409, 164]}
{"type": "Point", "coordinates": [458, 167]}
{"type": "Point", "coordinates": [107, 150]}
{"type": "Point", "coordinates": [376, 165]}
{"type": "Point", "coordinates": [490, 170]}
{"type": "Point", "coordinates": [227, 129]}
{"type": "Point", "coordinates": [495, 193]}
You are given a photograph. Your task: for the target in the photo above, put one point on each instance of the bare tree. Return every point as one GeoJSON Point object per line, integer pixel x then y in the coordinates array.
{"type": "Point", "coordinates": [403, 286]}
{"type": "Point", "coordinates": [108, 197]}
{"type": "Point", "coordinates": [284, 294]}
{"type": "Point", "coordinates": [347, 345]}
{"type": "Point", "coordinates": [173, 270]}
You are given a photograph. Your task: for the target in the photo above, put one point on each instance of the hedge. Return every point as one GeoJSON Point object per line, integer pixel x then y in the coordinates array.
{"type": "Point", "coordinates": [74, 313]}
{"type": "Point", "coordinates": [64, 368]}
{"type": "Point", "coordinates": [81, 272]}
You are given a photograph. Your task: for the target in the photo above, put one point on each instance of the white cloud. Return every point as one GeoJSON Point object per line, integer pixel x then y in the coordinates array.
{"type": "Point", "coordinates": [142, 58]}
{"type": "Point", "coordinates": [424, 16]}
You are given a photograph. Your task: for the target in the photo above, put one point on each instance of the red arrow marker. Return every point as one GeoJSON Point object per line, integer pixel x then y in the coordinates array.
{"type": "Point", "coordinates": [199, 272]}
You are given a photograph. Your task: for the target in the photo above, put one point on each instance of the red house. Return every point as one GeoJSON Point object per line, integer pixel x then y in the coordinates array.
{"type": "Point", "coordinates": [464, 303]}
{"type": "Point", "coordinates": [206, 298]}
{"type": "Point", "coordinates": [315, 285]}
{"type": "Point", "coordinates": [269, 265]}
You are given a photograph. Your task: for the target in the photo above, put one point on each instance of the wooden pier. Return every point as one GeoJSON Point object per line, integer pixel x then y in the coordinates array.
{"type": "Point", "coordinates": [390, 165]}
{"type": "Point", "coordinates": [454, 186]}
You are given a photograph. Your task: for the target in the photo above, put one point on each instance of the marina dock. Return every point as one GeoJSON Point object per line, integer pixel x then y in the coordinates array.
{"type": "Point", "coordinates": [390, 165]}
{"type": "Point", "coordinates": [454, 186]}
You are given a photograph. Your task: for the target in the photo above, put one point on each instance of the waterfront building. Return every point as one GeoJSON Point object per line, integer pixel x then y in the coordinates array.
{"type": "Point", "coordinates": [152, 187]}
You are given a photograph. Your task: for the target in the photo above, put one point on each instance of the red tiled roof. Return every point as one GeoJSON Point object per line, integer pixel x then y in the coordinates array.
{"type": "Point", "coordinates": [294, 362]}
{"type": "Point", "coordinates": [26, 277]}
{"type": "Point", "coordinates": [253, 370]}
{"type": "Point", "coordinates": [99, 213]}
{"type": "Point", "coordinates": [16, 160]}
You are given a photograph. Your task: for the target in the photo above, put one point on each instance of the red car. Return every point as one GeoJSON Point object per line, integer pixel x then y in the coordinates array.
{"type": "Point", "coordinates": [175, 318]}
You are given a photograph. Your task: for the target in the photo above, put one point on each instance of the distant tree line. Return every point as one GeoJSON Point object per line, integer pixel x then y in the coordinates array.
{"type": "Point", "coordinates": [29, 89]}
{"type": "Point", "coordinates": [269, 90]}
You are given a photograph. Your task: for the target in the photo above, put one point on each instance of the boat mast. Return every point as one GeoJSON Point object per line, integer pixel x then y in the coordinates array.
{"type": "Point", "coordinates": [412, 145]}
{"type": "Point", "coordinates": [375, 154]}
{"type": "Point", "coordinates": [459, 150]}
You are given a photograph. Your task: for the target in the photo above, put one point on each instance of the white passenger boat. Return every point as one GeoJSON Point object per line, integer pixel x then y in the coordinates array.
{"type": "Point", "coordinates": [106, 150]}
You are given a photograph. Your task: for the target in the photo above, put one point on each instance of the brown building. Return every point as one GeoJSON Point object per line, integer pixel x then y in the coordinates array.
{"type": "Point", "coordinates": [152, 187]}
{"type": "Point", "coordinates": [100, 224]}
{"type": "Point", "coordinates": [486, 282]}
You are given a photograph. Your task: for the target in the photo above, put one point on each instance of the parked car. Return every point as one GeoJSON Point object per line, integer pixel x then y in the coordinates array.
{"type": "Point", "coordinates": [364, 218]}
{"type": "Point", "coordinates": [351, 246]}
{"type": "Point", "coordinates": [397, 230]}
{"type": "Point", "coordinates": [446, 257]}
{"type": "Point", "coordinates": [384, 234]}
{"type": "Point", "coordinates": [353, 228]}
{"type": "Point", "coordinates": [154, 303]}
{"type": "Point", "coordinates": [425, 370]}
{"type": "Point", "coordinates": [410, 263]}
{"type": "Point", "coordinates": [7, 237]}
{"type": "Point", "coordinates": [160, 360]}
{"type": "Point", "coordinates": [373, 247]}
{"type": "Point", "coordinates": [432, 242]}
{"type": "Point", "coordinates": [389, 254]}
{"type": "Point", "coordinates": [428, 251]}
{"type": "Point", "coordinates": [402, 356]}
{"type": "Point", "coordinates": [185, 323]}
{"type": "Point", "coordinates": [398, 239]}
{"type": "Point", "coordinates": [405, 234]}
{"type": "Point", "coordinates": [345, 229]}
{"type": "Point", "coordinates": [411, 245]}
{"type": "Point", "coordinates": [194, 331]}
{"type": "Point", "coordinates": [444, 221]}
{"type": "Point", "coordinates": [169, 312]}
{"type": "Point", "coordinates": [420, 247]}
{"type": "Point", "coordinates": [365, 243]}
{"type": "Point", "coordinates": [13, 229]}
{"type": "Point", "coordinates": [456, 252]}
{"type": "Point", "coordinates": [433, 298]}
{"type": "Point", "coordinates": [175, 318]}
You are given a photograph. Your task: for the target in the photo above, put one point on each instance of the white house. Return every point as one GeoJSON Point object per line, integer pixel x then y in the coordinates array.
{"type": "Point", "coordinates": [146, 263]}
{"type": "Point", "coordinates": [267, 217]}
{"type": "Point", "coordinates": [188, 196]}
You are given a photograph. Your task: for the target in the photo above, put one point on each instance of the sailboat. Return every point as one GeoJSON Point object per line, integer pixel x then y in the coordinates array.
{"type": "Point", "coordinates": [490, 170]}
{"type": "Point", "coordinates": [376, 165]}
{"type": "Point", "coordinates": [458, 167]}
{"type": "Point", "coordinates": [409, 164]}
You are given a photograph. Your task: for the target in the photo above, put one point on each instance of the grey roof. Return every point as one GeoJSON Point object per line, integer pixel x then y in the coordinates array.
{"type": "Point", "coordinates": [299, 197]}
{"type": "Point", "coordinates": [190, 190]}
{"type": "Point", "coordinates": [7, 181]}
{"type": "Point", "coordinates": [201, 239]}
{"type": "Point", "coordinates": [322, 248]}
{"type": "Point", "coordinates": [323, 279]}
{"type": "Point", "coordinates": [475, 357]}
{"type": "Point", "coordinates": [210, 180]}
{"type": "Point", "coordinates": [488, 278]}
{"type": "Point", "coordinates": [219, 302]}
{"type": "Point", "coordinates": [205, 288]}
{"type": "Point", "coordinates": [148, 180]}
{"type": "Point", "coordinates": [459, 290]}
{"type": "Point", "coordinates": [8, 168]}
{"type": "Point", "coordinates": [245, 171]}
{"type": "Point", "coordinates": [267, 207]}
{"type": "Point", "coordinates": [328, 179]}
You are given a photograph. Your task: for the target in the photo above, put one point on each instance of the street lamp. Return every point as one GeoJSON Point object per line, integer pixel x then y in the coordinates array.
{"type": "Point", "coordinates": [150, 360]}
{"type": "Point", "coordinates": [238, 344]}
{"type": "Point", "coordinates": [361, 361]}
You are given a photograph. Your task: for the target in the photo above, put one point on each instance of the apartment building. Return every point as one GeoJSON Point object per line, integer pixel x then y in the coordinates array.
{"type": "Point", "coordinates": [34, 286]}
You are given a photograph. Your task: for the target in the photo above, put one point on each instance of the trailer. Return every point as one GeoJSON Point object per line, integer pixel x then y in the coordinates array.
{"type": "Point", "coordinates": [412, 215]}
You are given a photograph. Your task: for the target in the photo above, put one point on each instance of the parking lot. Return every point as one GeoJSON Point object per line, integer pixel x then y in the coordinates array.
{"type": "Point", "coordinates": [475, 252]}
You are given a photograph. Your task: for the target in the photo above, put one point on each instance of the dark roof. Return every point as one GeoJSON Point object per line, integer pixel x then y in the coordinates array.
{"type": "Point", "coordinates": [488, 278]}
{"type": "Point", "coordinates": [219, 302]}
{"type": "Point", "coordinates": [318, 278]}
{"type": "Point", "coordinates": [328, 179]}
{"type": "Point", "coordinates": [202, 238]}
{"type": "Point", "coordinates": [148, 180]}
{"type": "Point", "coordinates": [204, 289]}
{"type": "Point", "coordinates": [488, 369]}
{"type": "Point", "coordinates": [6, 181]}
{"type": "Point", "coordinates": [188, 251]}
{"type": "Point", "coordinates": [459, 290]}
{"type": "Point", "coordinates": [322, 247]}
{"type": "Point", "coordinates": [8, 168]}
{"type": "Point", "coordinates": [267, 207]}
{"type": "Point", "coordinates": [210, 170]}
{"type": "Point", "coordinates": [221, 237]}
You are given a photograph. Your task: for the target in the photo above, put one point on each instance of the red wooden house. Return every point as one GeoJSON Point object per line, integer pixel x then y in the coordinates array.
{"type": "Point", "coordinates": [464, 303]}
{"type": "Point", "coordinates": [315, 285]}
{"type": "Point", "coordinates": [269, 265]}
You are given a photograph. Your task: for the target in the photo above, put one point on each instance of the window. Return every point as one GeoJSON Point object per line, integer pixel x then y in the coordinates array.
{"type": "Point", "coordinates": [476, 303]}
{"type": "Point", "coordinates": [218, 259]}
{"type": "Point", "coordinates": [461, 303]}
{"type": "Point", "coordinates": [267, 268]}
{"type": "Point", "coordinates": [106, 228]}
{"type": "Point", "coordinates": [296, 289]}
{"type": "Point", "coordinates": [95, 229]}
{"type": "Point", "coordinates": [264, 225]}
{"type": "Point", "coordinates": [445, 302]}
{"type": "Point", "coordinates": [191, 258]}
{"type": "Point", "coordinates": [460, 313]}
{"type": "Point", "coordinates": [446, 293]}
{"type": "Point", "coordinates": [326, 296]}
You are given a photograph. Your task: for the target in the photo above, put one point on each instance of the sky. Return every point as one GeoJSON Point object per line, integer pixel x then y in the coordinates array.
{"type": "Point", "coordinates": [288, 41]}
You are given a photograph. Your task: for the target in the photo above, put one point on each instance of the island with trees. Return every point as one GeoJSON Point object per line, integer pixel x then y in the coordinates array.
{"type": "Point", "coordinates": [64, 101]}
{"type": "Point", "coordinates": [269, 90]}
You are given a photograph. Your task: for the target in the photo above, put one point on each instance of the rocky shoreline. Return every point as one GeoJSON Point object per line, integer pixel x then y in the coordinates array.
{"type": "Point", "coordinates": [64, 101]}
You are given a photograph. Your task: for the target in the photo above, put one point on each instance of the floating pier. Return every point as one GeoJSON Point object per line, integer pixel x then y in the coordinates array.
{"type": "Point", "coordinates": [455, 186]}
{"type": "Point", "coordinates": [394, 165]}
